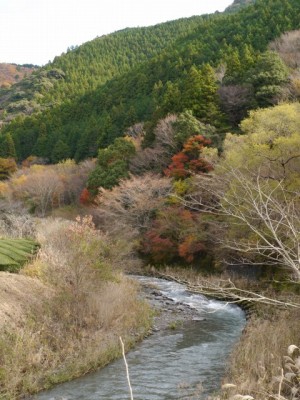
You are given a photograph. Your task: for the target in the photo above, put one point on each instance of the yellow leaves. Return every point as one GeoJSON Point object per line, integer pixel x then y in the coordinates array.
{"type": "Point", "coordinates": [7, 167]}
{"type": "Point", "coordinates": [181, 187]}
{"type": "Point", "coordinates": [295, 85]}
{"type": "Point", "coordinates": [66, 166]}
{"type": "Point", "coordinates": [267, 124]}
{"type": "Point", "coordinates": [136, 141]}
{"type": "Point", "coordinates": [290, 144]}
{"type": "Point", "coordinates": [37, 168]}
{"type": "Point", "coordinates": [231, 156]}
{"type": "Point", "coordinates": [17, 184]}
{"type": "Point", "coordinates": [4, 189]}
{"type": "Point", "coordinates": [67, 163]}
{"type": "Point", "coordinates": [210, 154]}
{"type": "Point", "coordinates": [18, 180]}
{"type": "Point", "coordinates": [271, 143]}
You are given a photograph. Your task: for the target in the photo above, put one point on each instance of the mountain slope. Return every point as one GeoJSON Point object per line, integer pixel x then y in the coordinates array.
{"type": "Point", "coordinates": [83, 69]}
{"type": "Point", "coordinates": [238, 4]}
{"type": "Point", "coordinates": [174, 76]}
{"type": "Point", "coordinates": [12, 73]}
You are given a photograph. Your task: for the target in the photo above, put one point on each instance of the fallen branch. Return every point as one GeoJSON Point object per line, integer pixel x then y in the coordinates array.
{"type": "Point", "coordinates": [227, 291]}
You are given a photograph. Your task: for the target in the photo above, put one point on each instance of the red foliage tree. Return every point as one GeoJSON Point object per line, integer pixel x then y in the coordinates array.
{"type": "Point", "coordinates": [190, 247]}
{"type": "Point", "coordinates": [162, 250]}
{"type": "Point", "coordinates": [175, 234]}
{"type": "Point", "coordinates": [194, 145]}
{"type": "Point", "coordinates": [189, 160]}
{"type": "Point", "coordinates": [85, 197]}
{"type": "Point", "coordinates": [179, 167]}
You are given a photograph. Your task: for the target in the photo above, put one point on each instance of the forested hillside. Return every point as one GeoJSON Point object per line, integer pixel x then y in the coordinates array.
{"type": "Point", "coordinates": [83, 68]}
{"type": "Point", "coordinates": [216, 66]}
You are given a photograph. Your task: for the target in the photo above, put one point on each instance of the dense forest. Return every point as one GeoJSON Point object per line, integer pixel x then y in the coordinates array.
{"type": "Point", "coordinates": [213, 65]}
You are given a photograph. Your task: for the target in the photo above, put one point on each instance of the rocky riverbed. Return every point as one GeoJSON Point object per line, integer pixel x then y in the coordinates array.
{"type": "Point", "coordinates": [168, 313]}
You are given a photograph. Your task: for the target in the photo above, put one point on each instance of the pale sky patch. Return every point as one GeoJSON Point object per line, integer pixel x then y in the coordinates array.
{"type": "Point", "coordinates": [35, 31]}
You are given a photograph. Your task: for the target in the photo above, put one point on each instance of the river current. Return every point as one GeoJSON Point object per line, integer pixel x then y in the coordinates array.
{"type": "Point", "coordinates": [183, 363]}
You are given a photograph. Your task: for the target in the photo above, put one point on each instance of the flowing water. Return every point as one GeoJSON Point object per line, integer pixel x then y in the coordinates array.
{"type": "Point", "coordinates": [177, 364]}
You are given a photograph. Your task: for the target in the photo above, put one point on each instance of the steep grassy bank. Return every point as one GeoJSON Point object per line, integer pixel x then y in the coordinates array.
{"type": "Point", "coordinates": [63, 316]}
{"type": "Point", "coordinates": [42, 351]}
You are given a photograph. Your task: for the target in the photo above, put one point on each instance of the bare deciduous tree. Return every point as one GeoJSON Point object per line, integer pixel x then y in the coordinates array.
{"type": "Point", "coordinates": [226, 290]}
{"type": "Point", "coordinates": [44, 187]}
{"type": "Point", "coordinates": [288, 47]}
{"type": "Point", "coordinates": [73, 178]}
{"type": "Point", "coordinates": [157, 157]}
{"type": "Point", "coordinates": [235, 101]}
{"type": "Point", "coordinates": [43, 190]}
{"type": "Point", "coordinates": [164, 132]}
{"type": "Point", "coordinates": [264, 217]}
{"type": "Point", "coordinates": [151, 158]}
{"type": "Point", "coordinates": [131, 204]}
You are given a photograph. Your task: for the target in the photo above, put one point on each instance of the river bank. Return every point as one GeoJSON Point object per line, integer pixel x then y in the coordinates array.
{"type": "Point", "coordinates": [254, 367]}
{"type": "Point", "coordinates": [185, 354]}
{"type": "Point", "coordinates": [40, 348]}
{"type": "Point", "coordinates": [253, 363]}
{"type": "Point", "coordinates": [62, 315]}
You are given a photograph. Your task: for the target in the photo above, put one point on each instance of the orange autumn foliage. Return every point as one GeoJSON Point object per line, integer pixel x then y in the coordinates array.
{"type": "Point", "coordinates": [189, 160]}
{"type": "Point", "coordinates": [175, 234]}
{"type": "Point", "coordinates": [189, 247]}
{"type": "Point", "coordinates": [85, 197]}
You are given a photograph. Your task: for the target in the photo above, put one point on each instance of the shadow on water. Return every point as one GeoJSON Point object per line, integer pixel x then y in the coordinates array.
{"type": "Point", "coordinates": [169, 365]}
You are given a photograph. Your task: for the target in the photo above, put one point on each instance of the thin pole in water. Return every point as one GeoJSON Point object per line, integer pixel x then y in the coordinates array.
{"type": "Point", "coordinates": [126, 366]}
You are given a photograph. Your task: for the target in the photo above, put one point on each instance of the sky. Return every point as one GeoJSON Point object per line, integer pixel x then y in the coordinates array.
{"type": "Point", "coordinates": [35, 31]}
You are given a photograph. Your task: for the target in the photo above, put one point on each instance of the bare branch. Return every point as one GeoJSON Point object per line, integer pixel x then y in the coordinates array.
{"type": "Point", "coordinates": [132, 203]}
{"type": "Point", "coordinates": [227, 291]}
{"type": "Point", "coordinates": [266, 213]}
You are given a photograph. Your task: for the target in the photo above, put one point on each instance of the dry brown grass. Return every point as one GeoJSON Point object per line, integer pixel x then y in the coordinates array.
{"type": "Point", "coordinates": [257, 359]}
{"type": "Point", "coordinates": [76, 328]}
{"type": "Point", "coordinates": [15, 223]}
{"type": "Point", "coordinates": [44, 351]}
{"type": "Point", "coordinates": [18, 296]}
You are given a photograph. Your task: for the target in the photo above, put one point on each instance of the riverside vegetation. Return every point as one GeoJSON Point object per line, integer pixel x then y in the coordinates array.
{"type": "Point", "coordinates": [196, 215]}
{"type": "Point", "coordinates": [195, 164]}
{"type": "Point", "coordinates": [63, 316]}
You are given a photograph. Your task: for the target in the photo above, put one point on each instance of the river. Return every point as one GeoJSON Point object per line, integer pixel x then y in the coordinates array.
{"type": "Point", "coordinates": [187, 362]}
